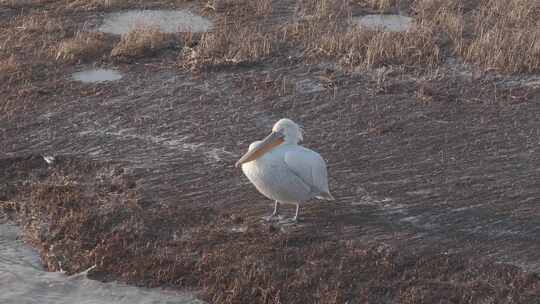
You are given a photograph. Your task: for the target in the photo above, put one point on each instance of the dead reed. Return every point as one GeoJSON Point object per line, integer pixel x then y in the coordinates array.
{"type": "Point", "coordinates": [324, 30]}
{"type": "Point", "coordinates": [93, 4]}
{"type": "Point", "coordinates": [492, 34]}
{"type": "Point", "coordinates": [230, 44]}
{"type": "Point", "coordinates": [379, 5]}
{"type": "Point", "coordinates": [241, 8]}
{"type": "Point", "coordinates": [10, 68]}
{"type": "Point", "coordinates": [142, 41]}
{"type": "Point", "coordinates": [506, 36]}
{"type": "Point", "coordinates": [82, 47]}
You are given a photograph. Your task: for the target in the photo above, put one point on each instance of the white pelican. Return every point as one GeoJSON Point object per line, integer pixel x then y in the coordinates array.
{"type": "Point", "coordinates": [283, 171]}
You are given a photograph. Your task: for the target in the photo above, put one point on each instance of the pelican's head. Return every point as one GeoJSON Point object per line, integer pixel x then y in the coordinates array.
{"type": "Point", "coordinates": [291, 131]}
{"type": "Point", "coordinates": [283, 131]}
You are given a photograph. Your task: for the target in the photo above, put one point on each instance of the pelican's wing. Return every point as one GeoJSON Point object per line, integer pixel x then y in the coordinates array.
{"type": "Point", "coordinates": [310, 167]}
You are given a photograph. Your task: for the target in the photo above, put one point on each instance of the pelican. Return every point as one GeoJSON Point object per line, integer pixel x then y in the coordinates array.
{"type": "Point", "coordinates": [284, 171]}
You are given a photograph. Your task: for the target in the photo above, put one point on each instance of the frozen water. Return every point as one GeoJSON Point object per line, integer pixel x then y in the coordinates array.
{"type": "Point", "coordinates": [388, 23]}
{"type": "Point", "coordinates": [168, 21]}
{"type": "Point", "coordinates": [97, 75]}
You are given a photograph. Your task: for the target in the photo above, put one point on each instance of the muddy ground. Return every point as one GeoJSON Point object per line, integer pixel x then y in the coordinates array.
{"type": "Point", "coordinates": [436, 176]}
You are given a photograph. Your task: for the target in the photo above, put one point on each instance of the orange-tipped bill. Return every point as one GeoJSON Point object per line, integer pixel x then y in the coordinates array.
{"type": "Point", "coordinates": [268, 143]}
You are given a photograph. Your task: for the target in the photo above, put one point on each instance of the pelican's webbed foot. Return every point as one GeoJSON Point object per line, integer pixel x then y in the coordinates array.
{"type": "Point", "coordinates": [275, 215]}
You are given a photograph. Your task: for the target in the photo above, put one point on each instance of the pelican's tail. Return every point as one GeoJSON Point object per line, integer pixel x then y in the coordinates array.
{"type": "Point", "coordinates": [326, 196]}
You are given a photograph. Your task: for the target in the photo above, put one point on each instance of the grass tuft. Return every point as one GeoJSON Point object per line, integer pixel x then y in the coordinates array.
{"type": "Point", "coordinates": [89, 5]}
{"type": "Point", "coordinates": [506, 36]}
{"type": "Point", "coordinates": [83, 47]}
{"type": "Point", "coordinates": [142, 41]}
{"type": "Point", "coordinates": [379, 5]}
{"type": "Point", "coordinates": [11, 70]}
{"type": "Point", "coordinates": [230, 44]}
{"type": "Point", "coordinates": [502, 35]}
{"type": "Point", "coordinates": [327, 33]}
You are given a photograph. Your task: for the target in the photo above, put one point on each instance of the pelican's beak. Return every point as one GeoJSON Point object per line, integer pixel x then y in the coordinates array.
{"type": "Point", "coordinates": [269, 142]}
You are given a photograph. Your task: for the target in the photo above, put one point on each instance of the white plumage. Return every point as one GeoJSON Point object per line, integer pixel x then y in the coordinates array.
{"type": "Point", "coordinates": [284, 171]}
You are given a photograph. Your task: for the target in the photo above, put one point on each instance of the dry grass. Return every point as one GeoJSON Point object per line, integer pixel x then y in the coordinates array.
{"type": "Point", "coordinates": [506, 36]}
{"type": "Point", "coordinates": [493, 34]}
{"type": "Point", "coordinates": [93, 4]}
{"type": "Point", "coordinates": [244, 8]}
{"type": "Point", "coordinates": [21, 3]}
{"type": "Point", "coordinates": [9, 68]}
{"type": "Point", "coordinates": [12, 70]}
{"type": "Point", "coordinates": [324, 31]}
{"type": "Point", "coordinates": [230, 44]}
{"type": "Point", "coordinates": [380, 5]}
{"type": "Point", "coordinates": [323, 10]}
{"type": "Point", "coordinates": [32, 36]}
{"type": "Point", "coordinates": [83, 47]}
{"type": "Point", "coordinates": [142, 41]}
{"type": "Point", "coordinates": [416, 47]}
{"type": "Point", "coordinates": [446, 18]}
{"type": "Point", "coordinates": [41, 23]}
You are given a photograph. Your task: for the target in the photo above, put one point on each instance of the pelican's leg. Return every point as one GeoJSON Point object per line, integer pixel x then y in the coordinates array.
{"type": "Point", "coordinates": [276, 209]}
{"type": "Point", "coordinates": [295, 218]}
{"type": "Point", "coordinates": [275, 214]}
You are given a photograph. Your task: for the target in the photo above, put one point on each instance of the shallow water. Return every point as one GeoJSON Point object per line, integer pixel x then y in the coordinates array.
{"type": "Point", "coordinates": [97, 75]}
{"type": "Point", "coordinates": [388, 23]}
{"type": "Point", "coordinates": [168, 21]}
{"type": "Point", "coordinates": [23, 281]}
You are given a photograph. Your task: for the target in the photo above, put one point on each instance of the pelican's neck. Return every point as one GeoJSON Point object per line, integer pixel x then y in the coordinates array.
{"type": "Point", "coordinates": [289, 143]}
{"type": "Point", "coordinates": [292, 137]}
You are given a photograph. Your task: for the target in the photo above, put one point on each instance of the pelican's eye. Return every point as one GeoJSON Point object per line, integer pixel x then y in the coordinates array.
{"type": "Point", "coordinates": [280, 134]}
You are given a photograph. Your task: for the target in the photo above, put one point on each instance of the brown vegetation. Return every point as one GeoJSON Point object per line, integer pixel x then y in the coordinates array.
{"type": "Point", "coordinates": [364, 47]}
{"type": "Point", "coordinates": [379, 5]}
{"type": "Point", "coordinates": [42, 23]}
{"type": "Point", "coordinates": [473, 31]}
{"type": "Point", "coordinates": [493, 34]}
{"type": "Point", "coordinates": [324, 30]}
{"type": "Point", "coordinates": [506, 36]}
{"type": "Point", "coordinates": [142, 41]}
{"type": "Point", "coordinates": [9, 69]}
{"type": "Point", "coordinates": [241, 8]}
{"type": "Point", "coordinates": [230, 44]}
{"type": "Point", "coordinates": [477, 34]}
{"type": "Point", "coordinates": [93, 4]}
{"type": "Point", "coordinates": [83, 47]}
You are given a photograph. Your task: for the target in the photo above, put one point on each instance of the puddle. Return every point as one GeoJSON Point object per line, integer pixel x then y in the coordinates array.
{"type": "Point", "coordinates": [388, 23]}
{"type": "Point", "coordinates": [97, 75]}
{"type": "Point", "coordinates": [168, 21]}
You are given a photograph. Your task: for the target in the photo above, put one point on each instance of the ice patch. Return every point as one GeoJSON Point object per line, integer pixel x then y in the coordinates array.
{"type": "Point", "coordinates": [97, 75]}
{"type": "Point", "coordinates": [168, 21]}
{"type": "Point", "coordinates": [387, 23]}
